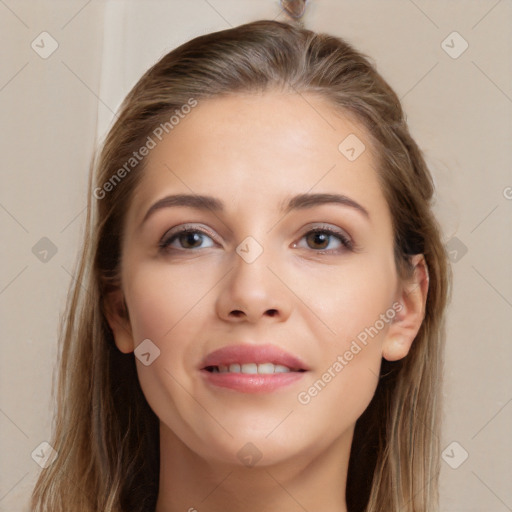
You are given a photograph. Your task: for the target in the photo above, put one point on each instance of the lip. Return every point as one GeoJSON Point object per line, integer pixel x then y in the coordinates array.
{"type": "Point", "coordinates": [252, 383]}
{"type": "Point", "coordinates": [258, 354]}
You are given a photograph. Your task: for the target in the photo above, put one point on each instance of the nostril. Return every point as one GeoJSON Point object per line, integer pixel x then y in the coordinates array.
{"type": "Point", "coordinates": [237, 313]}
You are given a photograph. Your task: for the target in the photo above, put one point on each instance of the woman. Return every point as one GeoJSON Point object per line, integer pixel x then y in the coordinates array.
{"type": "Point", "coordinates": [258, 316]}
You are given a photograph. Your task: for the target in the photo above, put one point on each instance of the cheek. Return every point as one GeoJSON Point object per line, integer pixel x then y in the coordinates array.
{"type": "Point", "coordinates": [355, 306]}
{"type": "Point", "coordinates": [167, 307]}
{"type": "Point", "coordinates": [346, 374]}
{"type": "Point", "coordinates": [162, 297]}
{"type": "Point", "coordinates": [347, 299]}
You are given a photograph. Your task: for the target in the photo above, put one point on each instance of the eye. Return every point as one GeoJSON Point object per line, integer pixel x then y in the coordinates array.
{"type": "Point", "coordinates": [325, 239]}
{"type": "Point", "coordinates": [186, 238]}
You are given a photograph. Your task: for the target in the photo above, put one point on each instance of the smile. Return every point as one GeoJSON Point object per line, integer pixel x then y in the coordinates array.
{"type": "Point", "coordinates": [252, 368]}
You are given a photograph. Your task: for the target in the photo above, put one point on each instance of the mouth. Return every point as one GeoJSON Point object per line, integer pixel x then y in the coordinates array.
{"type": "Point", "coordinates": [252, 368]}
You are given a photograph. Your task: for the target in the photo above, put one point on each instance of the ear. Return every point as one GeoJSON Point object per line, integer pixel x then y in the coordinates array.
{"type": "Point", "coordinates": [412, 296]}
{"type": "Point", "coordinates": [119, 321]}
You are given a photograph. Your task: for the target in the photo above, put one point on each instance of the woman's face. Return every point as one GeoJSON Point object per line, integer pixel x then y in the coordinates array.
{"type": "Point", "coordinates": [280, 265]}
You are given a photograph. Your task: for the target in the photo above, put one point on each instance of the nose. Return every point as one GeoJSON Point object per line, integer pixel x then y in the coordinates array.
{"type": "Point", "coordinates": [252, 293]}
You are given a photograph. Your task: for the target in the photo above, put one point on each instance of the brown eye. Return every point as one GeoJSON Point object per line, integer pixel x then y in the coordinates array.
{"type": "Point", "coordinates": [190, 240]}
{"type": "Point", "coordinates": [318, 239]}
{"type": "Point", "coordinates": [186, 238]}
{"type": "Point", "coordinates": [326, 240]}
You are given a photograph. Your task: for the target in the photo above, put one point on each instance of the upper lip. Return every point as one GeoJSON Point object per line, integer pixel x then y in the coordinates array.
{"type": "Point", "coordinates": [243, 354]}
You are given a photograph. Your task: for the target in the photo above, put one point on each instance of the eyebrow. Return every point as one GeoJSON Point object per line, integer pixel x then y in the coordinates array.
{"type": "Point", "coordinates": [303, 201]}
{"type": "Point", "coordinates": [298, 202]}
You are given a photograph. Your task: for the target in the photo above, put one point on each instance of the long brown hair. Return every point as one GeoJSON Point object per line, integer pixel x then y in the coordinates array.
{"type": "Point", "coordinates": [105, 433]}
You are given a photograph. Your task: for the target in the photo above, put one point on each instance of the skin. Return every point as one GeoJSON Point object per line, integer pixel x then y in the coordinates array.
{"type": "Point", "coordinates": [254, 152]}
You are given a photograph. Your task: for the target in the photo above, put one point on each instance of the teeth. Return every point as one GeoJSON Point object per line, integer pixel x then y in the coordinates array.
{"type": "Point", "coordinates": [252, 368]}
{"type": "Point", "coordinates": [266, 368]}
{"type": "Point", "coordinates": [249, 368]}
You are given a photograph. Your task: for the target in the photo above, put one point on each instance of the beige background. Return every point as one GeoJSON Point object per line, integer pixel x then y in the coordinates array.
{"type": "Point", "coordinates": [460, 110]}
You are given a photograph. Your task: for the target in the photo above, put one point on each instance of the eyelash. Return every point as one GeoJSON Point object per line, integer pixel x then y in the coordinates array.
{"type": "Point", "coordinates": [345, 241]}
{"type": "Point", "coordinates": [164, 244]}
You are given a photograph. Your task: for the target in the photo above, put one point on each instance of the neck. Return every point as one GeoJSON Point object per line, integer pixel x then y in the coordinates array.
{"type": "Point", "coordinates": [191, 483]}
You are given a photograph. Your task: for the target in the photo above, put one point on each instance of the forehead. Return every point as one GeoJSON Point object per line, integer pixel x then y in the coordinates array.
{"type": "Point", "coordinates": [266, 145]}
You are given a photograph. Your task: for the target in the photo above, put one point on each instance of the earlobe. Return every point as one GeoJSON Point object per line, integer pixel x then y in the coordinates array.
{"type": "Point", "coordinates": [117, 317]}
{"type": "Point", "coordinates": [396, 348]}
{"type": "Point", "coordinates": [407, 323]}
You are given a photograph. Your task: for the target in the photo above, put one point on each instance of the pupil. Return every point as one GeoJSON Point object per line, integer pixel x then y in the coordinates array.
{"type": "Point", "coordinates": [321, 239]}
{"type": "Point", "coordinates": [190, 239]}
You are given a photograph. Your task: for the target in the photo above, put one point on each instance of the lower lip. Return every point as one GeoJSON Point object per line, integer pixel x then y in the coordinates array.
{"type": "Point", "coordinates": [252, 383]}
